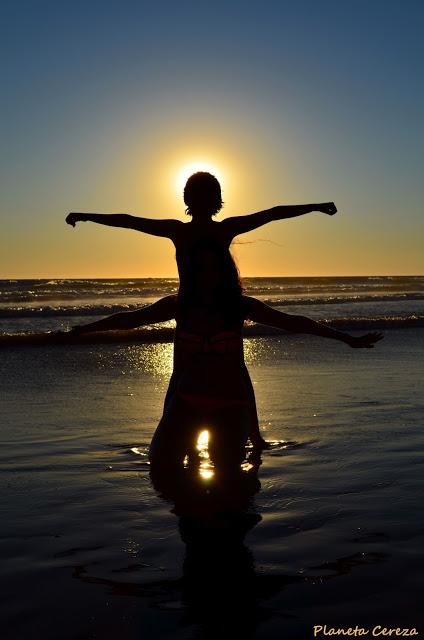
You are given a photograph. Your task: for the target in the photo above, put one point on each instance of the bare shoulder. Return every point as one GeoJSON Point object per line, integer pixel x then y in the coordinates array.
{"type": "Point", "coordinates": [227, 222]}
{"type": "Point", "coordinates": [258, 311]}
{"type": "Point", "coordinates": [170, 300]}
{"type": "Point", "coordinates": [165, 227]}
{"type": "Point", "coordinates": [178, 230]}
{"type": "Point", "coordinates": [167, 305]}
{"type": "Point", "coordinates": [249, 304]}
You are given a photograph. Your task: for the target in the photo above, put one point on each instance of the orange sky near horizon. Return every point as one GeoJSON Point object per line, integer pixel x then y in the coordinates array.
{"type": "Point", "coordinates": [109, 113]}
{"type": "Point", "coordinates": [311, 245]}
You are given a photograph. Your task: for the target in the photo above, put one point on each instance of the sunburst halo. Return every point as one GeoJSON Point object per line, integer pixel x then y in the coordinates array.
{"type": "Point", "coordinates": [187, 170]}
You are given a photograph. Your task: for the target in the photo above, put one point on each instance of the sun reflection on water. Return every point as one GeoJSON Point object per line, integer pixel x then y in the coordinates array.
{"type": "Point", "coordinates": [206, 466]}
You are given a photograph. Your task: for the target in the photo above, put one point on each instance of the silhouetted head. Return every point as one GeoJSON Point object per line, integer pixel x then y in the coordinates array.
{"type": "Point", "coordinates": [202, 195]}
{"type": "Point", "coordinates": [210, 271]}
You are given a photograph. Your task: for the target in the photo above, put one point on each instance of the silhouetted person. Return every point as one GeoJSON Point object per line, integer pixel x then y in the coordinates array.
{"type": "Point", "coordinates": [202, 195]}
{"type": "Point", "coordinates": [209, 379]}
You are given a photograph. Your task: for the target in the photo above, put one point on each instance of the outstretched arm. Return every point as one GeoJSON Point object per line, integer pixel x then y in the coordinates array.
{"type": "Point", "coordinates": [167, 228]}
{"type": "Point", "coordinates": [242, 224]}
{"type": "Point", "coordinates": [160, 311]}
{"type": "Point", "coordinates": [264, 314]}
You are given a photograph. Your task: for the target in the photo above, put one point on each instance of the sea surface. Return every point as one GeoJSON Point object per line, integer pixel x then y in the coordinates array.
{"type": "Point", "coordinates": [52, 305]}
{"type": "Point", "coordinates": [325, 527]}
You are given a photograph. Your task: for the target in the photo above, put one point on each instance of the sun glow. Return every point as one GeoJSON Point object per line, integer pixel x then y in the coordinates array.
{"type": "Point", "coordinates": [187, 170]}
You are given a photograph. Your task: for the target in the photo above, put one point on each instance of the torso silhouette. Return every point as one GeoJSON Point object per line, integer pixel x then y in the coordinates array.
{"type": "Point", "coordinates": [191, 233]}
{"type": "Point", "coordinates": [187, 235]}
{"type": "Point", "coordinates": [209, 368]}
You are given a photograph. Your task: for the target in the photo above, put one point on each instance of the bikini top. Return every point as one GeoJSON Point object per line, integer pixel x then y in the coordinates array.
{"type": "Point", "coordinates": [223, 342]}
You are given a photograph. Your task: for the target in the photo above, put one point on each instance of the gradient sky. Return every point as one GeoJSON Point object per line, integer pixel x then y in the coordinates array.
{"type": "Point", "coordinates": [104, 103]}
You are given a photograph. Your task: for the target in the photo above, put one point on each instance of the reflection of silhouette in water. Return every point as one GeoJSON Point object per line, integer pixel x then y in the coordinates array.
{"type": "Point", "coordinates": [218, 569]}
{"type": "Point", "coordinates": [221, 592]}
{"type": "Point", "coordinates": [202, 195]}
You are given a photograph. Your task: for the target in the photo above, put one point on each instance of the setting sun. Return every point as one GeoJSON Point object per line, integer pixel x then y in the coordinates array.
{"type": "Point", "coordinates": [187, 170]}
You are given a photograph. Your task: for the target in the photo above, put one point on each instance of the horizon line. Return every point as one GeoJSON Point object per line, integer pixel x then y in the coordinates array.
{"type": "Point", "coordinates": [359, 275]}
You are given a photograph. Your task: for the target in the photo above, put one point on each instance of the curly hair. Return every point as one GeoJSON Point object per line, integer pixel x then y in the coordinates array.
{"type": "Point", "coordinates": [202, 192]}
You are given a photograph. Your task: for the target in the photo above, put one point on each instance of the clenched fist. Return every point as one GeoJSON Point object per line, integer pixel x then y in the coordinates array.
{"type": "Point", "coordinates": [74, 217]}
{"type": "Point", "coordinates": [327, 207]}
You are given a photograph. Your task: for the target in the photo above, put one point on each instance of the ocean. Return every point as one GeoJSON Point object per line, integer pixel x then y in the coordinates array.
{"type": "Point", "coordinates": [57, 304]}
{"type": "Point", "coordinates": [324, 528]}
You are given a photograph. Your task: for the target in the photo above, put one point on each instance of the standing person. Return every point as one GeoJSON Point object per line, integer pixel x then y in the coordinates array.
{"type": "Point", "coordinates": [210, 386]}
{"type": "Point", "coordinates": [202, 196]}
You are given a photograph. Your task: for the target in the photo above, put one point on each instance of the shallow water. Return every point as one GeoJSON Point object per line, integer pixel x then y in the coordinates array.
{"type": "Point", "coordinates": [331, 531]}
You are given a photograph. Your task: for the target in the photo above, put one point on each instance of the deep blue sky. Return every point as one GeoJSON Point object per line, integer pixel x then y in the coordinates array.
{"type": "Point", "coordinates": [299, 102]}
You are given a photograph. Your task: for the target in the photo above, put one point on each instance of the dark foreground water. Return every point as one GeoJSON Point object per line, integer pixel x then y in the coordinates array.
{"type": "Point", "coordinates": [326, 528]}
